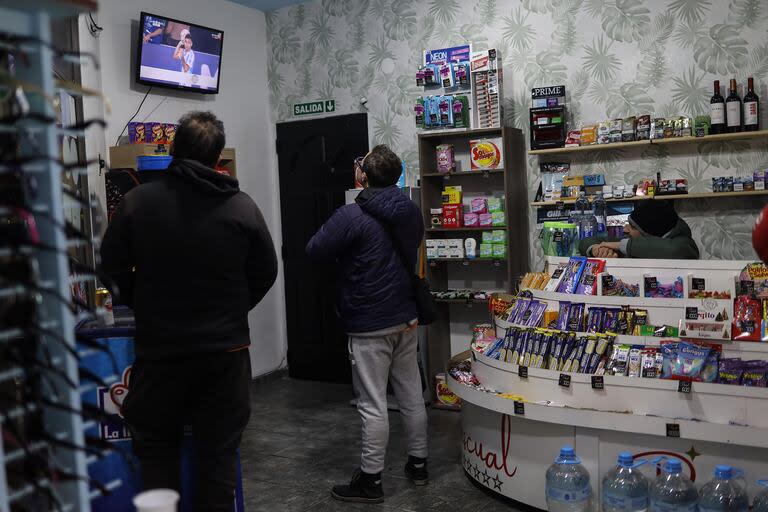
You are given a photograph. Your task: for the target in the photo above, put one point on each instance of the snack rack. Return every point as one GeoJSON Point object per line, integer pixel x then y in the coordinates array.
{"type": "Point", "coordinates": [31, 19]}
{"type": "Point", "coordinates": [521, 415]}
{"type": "Point", "coordinates": [456, 317]}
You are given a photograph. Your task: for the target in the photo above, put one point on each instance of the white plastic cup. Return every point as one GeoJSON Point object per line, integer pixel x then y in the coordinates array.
{"type": "Point", "coordinates": [157, 500]}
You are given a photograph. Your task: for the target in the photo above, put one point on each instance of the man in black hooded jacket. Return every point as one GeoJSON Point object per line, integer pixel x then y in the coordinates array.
{"type": "Point", "coordinates": [192, 255]}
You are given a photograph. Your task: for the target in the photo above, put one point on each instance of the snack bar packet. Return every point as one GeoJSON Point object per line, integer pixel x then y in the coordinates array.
{"type": "Point", "coordinates": [544, 348]}
{"type": "Point", "coordinates": [521, 310]}
{"type": "Point", "coordinates": [641, 319]}
{"type": "Point", "coordinates": [603, 342]}
{"type": "Point", "coordinates": [621, 360]}
{"type": "Point", "coordinates": [572, 274]}
{"type": "Point", "coordinates": [747, 313]}
{"type": "Point", "coordinates": [755, 374]}
{"type": "Point", "coordinates": [570, 346]}
{"type": "Point", "coordinates": [589, 350]}
{"type": "Point", "coordinates": [669, 355]}
{"type": "Point", "coordinates": [557, 276]}
{"type": "Point", "coordinates": [572, 365]}
{"type": "Point", "coordinates": [610, 320]}
{"type": "Point", "coordinates": [711, 365]}
{"type": "Point", "coordinates": [533, 341]}
{"type": "Point", "coordinates": [689, 361]}
{"type": "Point", "coordinates": [648, 362]}
{"type": "Point", "coordinates": [536, 313]}
{"type": "Point", "coordinates": [556, 350]}
{"type": "Point", "coordinates": [575, 317]}
{"type": "Point", "coordinates": [634, 362]}
{"type": "Point", "coordinates": [730, 371]}
{"type": "Point", "coordinates": [588, 281]}
{"type": "Point", "coordinates": [562, 316]}
{"type": "Point", "coordinates": [595, 319]}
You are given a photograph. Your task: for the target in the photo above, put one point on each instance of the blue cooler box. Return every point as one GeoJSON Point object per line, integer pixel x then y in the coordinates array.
{"type": "Point", "coordinates": [114, 466]}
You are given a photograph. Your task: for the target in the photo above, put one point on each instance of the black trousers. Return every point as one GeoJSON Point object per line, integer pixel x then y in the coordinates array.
{"type": "Point", "coordinates": [210, 392]}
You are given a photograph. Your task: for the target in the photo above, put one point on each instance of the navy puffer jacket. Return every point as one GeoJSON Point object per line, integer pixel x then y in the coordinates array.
{"type": "Point", "coordinates": [375, 289]}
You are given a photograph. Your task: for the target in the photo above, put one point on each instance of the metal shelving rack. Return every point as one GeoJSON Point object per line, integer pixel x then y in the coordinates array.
{"type": "Point", "coordinates": [32, 18]}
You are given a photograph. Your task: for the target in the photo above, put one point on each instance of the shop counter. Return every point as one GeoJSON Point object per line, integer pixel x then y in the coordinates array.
{"type": "Point", "coordinates": [515, 422]}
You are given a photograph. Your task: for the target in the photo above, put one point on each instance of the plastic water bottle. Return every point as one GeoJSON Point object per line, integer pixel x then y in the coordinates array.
{"type": "Point", "coordinates": [567, 484]}
{"type": "Point", "coordinates": [599, 208]}
{"type": "Point", "coordinates": [760, 504]}
{"type": "Point", "coordinates": [673, 491]}
{"type": "Point", "coordinates": [625, 488]}
{"type": "Point", "coordinates": [588, 226]}
{"type": "Point", "coordinates": [723, 493]}
{"type": "Point", "coordinates": [582, 203]}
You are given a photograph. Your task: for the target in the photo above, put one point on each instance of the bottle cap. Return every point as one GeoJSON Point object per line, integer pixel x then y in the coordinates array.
{"type": "Point", "coordinates": [567, 456]}
{"type": "Point", "coordinates": [673, 466]}
{"type": "Point", "coordinates": [723, 471]}
{"type": "Point", "coordinates": [625, 459]}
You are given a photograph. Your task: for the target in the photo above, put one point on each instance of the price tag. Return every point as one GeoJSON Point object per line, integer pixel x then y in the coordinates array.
{"type": "Point", "coordinates": [598, 382]}
{"type": "Point", "coordinates": [565, 380]}
{"type": "Point", "coordinates": [651, 283]}
{"type": "Point", "coordinates": [519, 408]}
{"type": "Point", "coordinates": [673, 430]}
{"type": "Point", "coordinates": [747, 287]}
{"type": "Point", "coordinates": [522, 372]}
{"type": "Point", "coordinates": [684, 386]}
{"type": "Point", "coordinates": [698, 284]}
{"type": "Point", "coordinates": [692, 313]}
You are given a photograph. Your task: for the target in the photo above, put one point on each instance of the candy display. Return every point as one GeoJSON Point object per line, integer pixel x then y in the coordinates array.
{"type": "Point", "coordinates": [572, 274]}
{"type": "Point", "coordinates": [613, 286]}
{"type": "Point", "coordinates": [654, 289]}
{"type": "Point", "coordinates": [697, 289]}
{"type": "Point", "coordinates": [535, 280]}
{"type": "Point", "coordinates": [588, 281]}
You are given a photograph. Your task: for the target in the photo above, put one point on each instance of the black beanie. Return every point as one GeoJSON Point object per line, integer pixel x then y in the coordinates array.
{"type": "Point", "coordinates": [656, 218]}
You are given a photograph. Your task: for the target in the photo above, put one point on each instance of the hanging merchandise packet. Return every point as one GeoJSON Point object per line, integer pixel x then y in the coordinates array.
{"type": "Point", "coordinates": [689, 361]}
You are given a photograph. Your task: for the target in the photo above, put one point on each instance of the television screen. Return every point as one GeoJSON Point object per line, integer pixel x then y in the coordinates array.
{"type": "Point", "coordinates": [178, 54]}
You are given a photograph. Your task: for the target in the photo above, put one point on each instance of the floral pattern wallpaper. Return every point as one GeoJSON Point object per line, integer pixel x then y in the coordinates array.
{"type": "Point", "coordinates": [616, 57]}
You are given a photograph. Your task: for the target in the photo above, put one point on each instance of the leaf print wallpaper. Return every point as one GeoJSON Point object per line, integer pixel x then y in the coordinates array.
{"type": "Point", "coordinates": [616, 57]}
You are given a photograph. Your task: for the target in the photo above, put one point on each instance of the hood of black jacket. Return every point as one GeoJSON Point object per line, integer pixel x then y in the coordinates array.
{"type": "Point", "coordinates": [203, 178]}
{"type": "Point", "coordinates": [389, 205]}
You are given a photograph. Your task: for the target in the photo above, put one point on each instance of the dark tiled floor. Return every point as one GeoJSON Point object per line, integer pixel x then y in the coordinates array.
{"type": "Point", "coordinates": [304, 437]}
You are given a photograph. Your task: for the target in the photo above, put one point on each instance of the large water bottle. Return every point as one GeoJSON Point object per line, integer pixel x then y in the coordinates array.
{"type": "Point", "coordinates": [723, 493]}
{"type": "Point", "coordinates": [599, 207]}
{"type": "Point", "coordinates": [760, 504]}
{"type": "Point", "coordinates": [567, 484]}
{"type": "Point", "coordinates": [625, 488]}
{"type": "Point", "coordinates": [582, 203]}
{"type": "Point", "coordinates": [588, 226]}
{"type": "Point", "coordinates": [673, 491]}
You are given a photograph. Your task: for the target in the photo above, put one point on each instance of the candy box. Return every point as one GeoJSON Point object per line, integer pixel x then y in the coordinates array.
{"type": "Point", "coordinates": [573, 139]}
{"type": "Point", "coordinates": [753, 280]}
{"type": "Point", "coordinates": [170, 132]}
{"type": "Point", "coordinates": [137, 133]}
{"type": "Point", "coordinates": [452, 195]}
{"type": "Point", "coordinates": [486, 154]}
{"type": "Point", "coordinates": [446, 161]}
{"type": "Point", "coordinates": [704, 329]}
{"type": "Point", "coordinates": [155, 133]}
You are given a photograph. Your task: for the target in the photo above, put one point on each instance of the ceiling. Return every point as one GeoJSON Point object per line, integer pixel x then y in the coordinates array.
{"type": "Point", "coordinates": [268, 5]}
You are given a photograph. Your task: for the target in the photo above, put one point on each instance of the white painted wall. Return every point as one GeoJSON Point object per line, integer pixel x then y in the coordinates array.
{"type": "Point", "coordinates": [242, 105]}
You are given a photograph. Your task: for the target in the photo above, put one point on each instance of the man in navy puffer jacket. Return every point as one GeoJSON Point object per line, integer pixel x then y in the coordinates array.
{"type": "Point", "coordinates": [378, 311]}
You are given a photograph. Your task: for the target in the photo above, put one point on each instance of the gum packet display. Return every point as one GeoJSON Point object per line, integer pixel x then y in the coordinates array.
{"type": "Point", "coordinates": [730, 371]}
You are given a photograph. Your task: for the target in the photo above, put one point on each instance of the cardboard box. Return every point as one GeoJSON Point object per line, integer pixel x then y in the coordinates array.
{"type": "Point", "coordinates": [486, 154]}
{"type": "Point", "coordinates": [453, 215]}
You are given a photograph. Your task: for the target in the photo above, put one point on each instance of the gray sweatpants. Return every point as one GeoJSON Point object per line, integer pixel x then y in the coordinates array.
{"type": "Point", "coordinates": [377, 358]}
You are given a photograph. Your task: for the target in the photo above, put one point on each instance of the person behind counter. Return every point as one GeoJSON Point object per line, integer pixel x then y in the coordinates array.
{"type": "Point", "coordinates": [654, 231]}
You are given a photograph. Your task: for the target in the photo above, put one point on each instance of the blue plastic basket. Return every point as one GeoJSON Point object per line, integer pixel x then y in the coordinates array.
{"type": "Point", "coordinates": [153, 163]}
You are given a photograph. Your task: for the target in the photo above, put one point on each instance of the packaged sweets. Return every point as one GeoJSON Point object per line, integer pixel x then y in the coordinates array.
{"type": "Point", "coordinates": [654, 289]}
{"type": "Point", "coordinates": [689, 361]}
{"type": "Point", "coordinates": [604, 132]}
{"type": "Point", "coordinates": [518, 310]}
{"type": "Point", "coordinates": [557, 275]}
{"type": "Point", "coordinates": [573, 139]}
{"type": "Point", "coordinates": [747, 316]}
{"type": "Point", "coordinates": [711, 365]}
{"type": "Point", "coordinates": [460, 112]}
{"type": "Point", "coordinates": [155, 133]}
{"type": "Point", "coordinates": [634, 362]}
{"type": "Point", "coordinates": [657, 128]}
{"type": "Point", "coordinates": [643, 127]}
{"type": "Point", "coordinates": [595, 320]}
{"type": "Point", "coordinates": [730, 371]}
{"type": "Point", "coordinates": [648, 362]}
{"type": "Point", "coordinates": [137, 133]}
{"type": "Point", "coordinates": [446, 160]}
{"type": "Point", "coordinates": [572, 274]}
{"type": "Point", "coordinates": [616, 129]}
{"type": "Point", "coordinates": [170, 132]}
{"type": "Point", "coordinates": [613, 286]}
{"type": "Point", "coordinates": [621, 360]}
{"type": "Point", "coordinates": [588, 135]}
{"type": "Point", "coordinates": [562, 316]}
{"type": "Point", "coordinates": [446, 75]}
{"type": "Point", "coordinates": [461, 74]}
{"type": "Point", "coordinates": [588, 280]}
{"type": "Point", "coordinates": [486, 154]}
{"type": "Point", "coordinates": [669, 353]}
{"type": "Point", "coordinates": [755, 374]}
{"type": "Point", "coordinates": [628, 128]}
{"type": "Point", "coordinates": [753, 280]}
{"type": "Point", "coordinates": [670, 128]}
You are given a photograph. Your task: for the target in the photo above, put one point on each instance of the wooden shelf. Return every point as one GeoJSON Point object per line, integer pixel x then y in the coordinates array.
{"type": "Point", "coordinates": [702, 195]}
{"type": "Point", "coordinates": [462, 173]}
{"type": "Point", "coordinates": [436, 134]}
{"type": "Point", "coordinates": [471, 228]}
{"type": "Point", "coordinates": [124, 156]}
{"type": "Point", "coordinates": [461, 301]}
{"type": "Point", "coordinates": [673, 140]}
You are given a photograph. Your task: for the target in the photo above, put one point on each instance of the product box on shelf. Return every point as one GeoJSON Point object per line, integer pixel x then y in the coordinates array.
{"type": "Point", "coordinates": [486, 154]}
{"type": "Point", "coordinates": [155, 133]}
{"type": "Point", "coordinates": [453, 215]}
{"type": "Point", "coordinates": [137, 133]}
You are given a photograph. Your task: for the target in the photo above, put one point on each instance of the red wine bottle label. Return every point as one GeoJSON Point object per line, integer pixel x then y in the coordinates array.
{"type": "Point", "coordinates": [734, 113]}
{"type": "Point", "coordinates": [750, 113]}
{"type": "Point", "coordinates": [717, 113]}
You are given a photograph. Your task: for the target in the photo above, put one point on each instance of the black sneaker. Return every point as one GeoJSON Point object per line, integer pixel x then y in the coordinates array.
{"type": "Point", "coordinates": [364, 488]}
{"type": "Point", "coordinates": [416, 470]}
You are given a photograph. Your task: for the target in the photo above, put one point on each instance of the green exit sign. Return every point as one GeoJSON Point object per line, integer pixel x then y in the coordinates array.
{"type": "Point", "coordinates": [314, 107]}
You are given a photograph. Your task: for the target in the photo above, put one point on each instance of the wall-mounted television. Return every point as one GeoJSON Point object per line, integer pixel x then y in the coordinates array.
{"type": "Point", "coordinates": [178, 54]}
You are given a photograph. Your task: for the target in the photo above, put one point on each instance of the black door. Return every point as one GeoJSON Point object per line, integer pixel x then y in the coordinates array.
{"type": "Point", "coordinates": [315, 160]}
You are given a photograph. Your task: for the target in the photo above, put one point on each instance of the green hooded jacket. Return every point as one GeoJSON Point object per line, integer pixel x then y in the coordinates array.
{"type": "Point", "coordinates": [677, 244]}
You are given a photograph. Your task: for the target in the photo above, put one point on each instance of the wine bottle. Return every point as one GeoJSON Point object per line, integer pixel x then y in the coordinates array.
{"type": "Point", "coordinates": [751, 107]}
{"type": "Point", "coordinates": [733, 109]}
{"type": "Point", "coordinates": [717, 110]}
